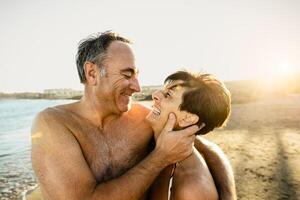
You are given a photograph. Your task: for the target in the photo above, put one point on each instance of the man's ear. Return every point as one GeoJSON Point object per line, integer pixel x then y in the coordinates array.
{"type": "Point", "coordinates": [90, 72]}
{"type": "Point", "coordinates": [187, 119]}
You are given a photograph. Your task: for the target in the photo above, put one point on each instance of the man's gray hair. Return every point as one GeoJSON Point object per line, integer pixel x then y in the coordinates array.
{"type": "Point", "coordinates": [94, 49]}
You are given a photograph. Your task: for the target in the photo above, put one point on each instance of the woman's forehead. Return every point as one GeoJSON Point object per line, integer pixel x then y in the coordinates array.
{"type": "Point", "coordinates": [173, 84]}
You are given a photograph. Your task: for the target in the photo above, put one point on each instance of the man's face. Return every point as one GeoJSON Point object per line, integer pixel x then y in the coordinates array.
{"type": "Point", "coordinates": [164, 102]}
{"type": "Point", "coordinates": [120, 79]}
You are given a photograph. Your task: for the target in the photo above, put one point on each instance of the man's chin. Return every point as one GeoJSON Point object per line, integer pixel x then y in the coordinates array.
{"type": "Point", "coordinates": [124, 108]}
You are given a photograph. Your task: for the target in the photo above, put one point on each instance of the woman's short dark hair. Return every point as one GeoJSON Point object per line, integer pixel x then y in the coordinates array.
{"type": "Point", "coordinates": [206, 96]}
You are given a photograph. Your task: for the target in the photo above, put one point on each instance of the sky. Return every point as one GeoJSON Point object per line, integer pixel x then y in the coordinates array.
{"type": "Point", "coordinates": [235, 40]}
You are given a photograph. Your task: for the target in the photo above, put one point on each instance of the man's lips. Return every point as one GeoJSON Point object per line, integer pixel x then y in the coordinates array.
{"type": "Point", "coordinates": [126, 94]}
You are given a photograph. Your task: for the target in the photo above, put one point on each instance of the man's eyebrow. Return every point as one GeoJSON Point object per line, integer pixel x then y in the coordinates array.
{"type": "Point", "coordinates": [132, 70]}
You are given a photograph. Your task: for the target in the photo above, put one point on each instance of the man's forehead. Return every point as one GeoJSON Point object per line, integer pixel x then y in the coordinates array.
{"type": "Point", "coordinates": [118, 50]}
{"type": "Point", "coordinates": [121, 56]}
{"type": "Point", "coordinates": [119, 47]}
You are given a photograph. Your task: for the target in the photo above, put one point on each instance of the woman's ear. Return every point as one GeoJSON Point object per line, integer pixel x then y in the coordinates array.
{"type": "Point", "coordinates": [90, 72]}
{"type": "Point", "coordinates": [187, 119]}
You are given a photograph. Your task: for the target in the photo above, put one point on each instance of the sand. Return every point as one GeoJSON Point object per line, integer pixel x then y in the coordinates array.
{"type": "Point", "coordinates": [262, 141]}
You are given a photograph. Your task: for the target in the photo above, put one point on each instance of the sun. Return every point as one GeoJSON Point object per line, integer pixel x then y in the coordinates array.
{"type": "Point", "coordinates": [277, 77]}
{"type": "Point", "coordinates": [284, 70]}
{"type": "Point", "coordinates": [281, 71]}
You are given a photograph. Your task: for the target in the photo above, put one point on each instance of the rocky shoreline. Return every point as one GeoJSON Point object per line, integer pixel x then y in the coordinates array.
{"type": "Point", "coordinates": [13, 189]}
{"type": "Point", "coordinates": [16, 176]}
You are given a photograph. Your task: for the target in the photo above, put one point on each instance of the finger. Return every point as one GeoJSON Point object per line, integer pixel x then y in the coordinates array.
{"type": "Point", "coordinates": [170, 123]}
{"type": "Point", "coordinates": [190, 139]}
{"type": "Point", "coordinates": [194, 129]}
{"type": "Point", "coordinates": [202, 125]}
{"type": "Point", "coordinates": [190, 130]}
{"type": "Point", "coordinates": [193, 140]}
{"type": "Point", "coordinates": [193, 136]}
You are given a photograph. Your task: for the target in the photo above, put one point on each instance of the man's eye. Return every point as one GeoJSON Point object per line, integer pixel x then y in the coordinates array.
{"type": "Point", "coordinates": [127, 75]}
{"type": "Point", "coordinates": [168, 94]}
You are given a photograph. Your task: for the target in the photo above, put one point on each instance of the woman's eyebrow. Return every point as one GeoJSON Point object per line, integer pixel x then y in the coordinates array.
{"type": "Point", "coordinates": [172, 87]}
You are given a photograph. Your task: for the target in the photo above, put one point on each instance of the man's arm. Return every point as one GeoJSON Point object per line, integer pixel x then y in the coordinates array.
{"type": "Point", "coordinates": [219, 167]}
{"type": "Point", "coordinates": [63, 173]}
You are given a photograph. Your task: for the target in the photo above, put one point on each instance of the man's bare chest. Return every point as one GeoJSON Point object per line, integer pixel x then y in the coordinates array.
{"type": "Point", "coordinates": [111, 157]}
{"type": "Point", "coordinates": [112, 153]}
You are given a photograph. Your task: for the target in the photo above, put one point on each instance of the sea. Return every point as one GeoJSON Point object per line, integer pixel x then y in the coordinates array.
{"type": "Point", "coordinates": [16, 117]}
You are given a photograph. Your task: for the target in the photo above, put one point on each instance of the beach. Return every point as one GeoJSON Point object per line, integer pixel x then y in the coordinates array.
{"type": "Point", "coordinates": [262, 142]}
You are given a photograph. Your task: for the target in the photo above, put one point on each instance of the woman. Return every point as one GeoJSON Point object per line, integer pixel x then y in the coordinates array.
{"type": "Point", "coordinates": [194, 99]}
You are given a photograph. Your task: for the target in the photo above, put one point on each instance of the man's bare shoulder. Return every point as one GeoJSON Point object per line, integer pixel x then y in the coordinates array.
{"type": "Point", "coordinates": [50, 122]}
{"type": "Point", "coordinates": [47, 117]}
{"type": "Point", "coordinates": [138, 112]}
{"type": "Point", "coordinates": [139, 109]}
{"type": "Point", "coordinates": [57, 156]}
{"type": "Point", "coordinates": [137, 115]}
{"type": "Point", "coordinates": [54, 115]}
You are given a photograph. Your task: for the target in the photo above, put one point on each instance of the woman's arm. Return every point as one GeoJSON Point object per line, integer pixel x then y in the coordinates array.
{"type": "Point", "coordinates": [160, 187]}
{"type": "Point", "coordinates": [219, 167]}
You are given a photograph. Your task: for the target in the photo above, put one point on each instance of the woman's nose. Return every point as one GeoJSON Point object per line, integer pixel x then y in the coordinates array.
{"type": "Point", "coordinates": [156, 96]}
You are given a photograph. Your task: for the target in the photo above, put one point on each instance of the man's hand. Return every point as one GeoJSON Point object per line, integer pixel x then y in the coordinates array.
{"type": "Point", "coordinates": [174, 146]}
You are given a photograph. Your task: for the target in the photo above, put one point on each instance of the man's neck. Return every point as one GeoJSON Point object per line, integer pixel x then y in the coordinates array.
{"type": "Point", "coordinates": [94, 111]}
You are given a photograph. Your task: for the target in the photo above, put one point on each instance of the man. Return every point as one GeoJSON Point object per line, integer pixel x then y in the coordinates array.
{"type": "Point", "coordinates": [194, 99]}
{"type": "Point", "coordinates": [98, 147]}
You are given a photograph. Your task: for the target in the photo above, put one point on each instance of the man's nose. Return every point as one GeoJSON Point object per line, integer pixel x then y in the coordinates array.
{"type": "Point", "coordinates": [135, 85]}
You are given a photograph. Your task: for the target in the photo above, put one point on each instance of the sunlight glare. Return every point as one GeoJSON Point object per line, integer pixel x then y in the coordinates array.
{"type": "Point", "coordinates": [284, 70]}
{"type": "Point", "coordinates": [277, 77]}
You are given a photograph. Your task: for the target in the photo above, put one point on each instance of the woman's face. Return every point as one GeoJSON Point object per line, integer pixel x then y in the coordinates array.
{"type": "Point", "coordinates": [164, 102]}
